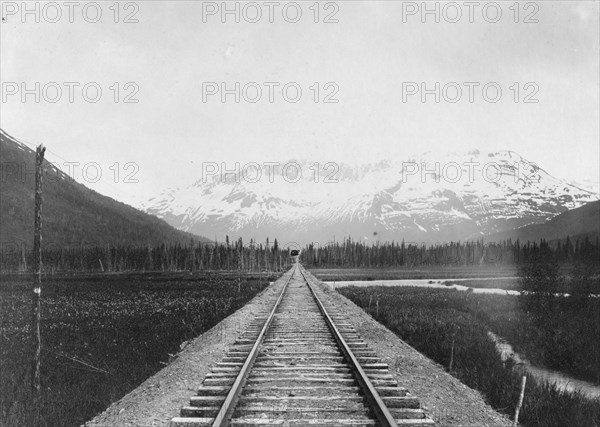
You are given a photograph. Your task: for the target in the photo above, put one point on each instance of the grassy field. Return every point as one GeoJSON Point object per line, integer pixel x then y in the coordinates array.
{"type": "Point", "coordinates": [433, 273]}
{"type": "Point", "coordinates": [103, 335]}
{"type": "Point", "coordinates": [449, 324]}
{"type": "Point", "coordinates": [508, 283]}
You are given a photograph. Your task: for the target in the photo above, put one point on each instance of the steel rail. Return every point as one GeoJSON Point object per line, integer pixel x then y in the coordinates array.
{"type": "Point", "coordinates": [221, 419]}
{"type": "Point", "coordinates": [381, 411]}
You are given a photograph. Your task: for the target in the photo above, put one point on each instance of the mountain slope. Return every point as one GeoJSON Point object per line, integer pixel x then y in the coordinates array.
{"type": "Point", "coordinates": [72, 214]}
{"type": "Point", "coordinates": [577, 223]}
{"type": "Point", "coordinates": [426, 198]}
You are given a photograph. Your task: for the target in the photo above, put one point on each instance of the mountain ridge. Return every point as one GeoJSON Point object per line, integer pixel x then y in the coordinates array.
{"type": "Point", "coordinates": [72, 214]}
{"type": "Point", "coordinates": [425, 198]}
{"type": "Point", "coordinates": [577, 223]}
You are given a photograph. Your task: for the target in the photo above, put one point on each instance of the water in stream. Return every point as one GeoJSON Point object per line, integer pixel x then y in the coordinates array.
{"type": "Point", "coordinates": [425, 283]}
{"type": "Point", "coordinates": [561, 380]}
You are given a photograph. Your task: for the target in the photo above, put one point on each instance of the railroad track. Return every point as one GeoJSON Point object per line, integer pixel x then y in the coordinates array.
{"type": "Point", "coordinates": [301, 364]}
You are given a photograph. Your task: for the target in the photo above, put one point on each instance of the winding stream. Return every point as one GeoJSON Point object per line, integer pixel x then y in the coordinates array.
{"type": "Point", "coordinates": [426, 283]}
{"type": "Point", "coordinates": [562, 381]}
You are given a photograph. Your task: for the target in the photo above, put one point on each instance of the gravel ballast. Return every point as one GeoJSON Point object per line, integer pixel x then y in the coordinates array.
{"type": "Point", "coordinates": [446, 400]}
{"type": "Point", "coordinates": [158, 399]}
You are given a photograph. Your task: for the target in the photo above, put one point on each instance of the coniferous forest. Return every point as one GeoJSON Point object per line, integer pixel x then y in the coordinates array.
{"type": "Point", "coordinates": [271, 256]}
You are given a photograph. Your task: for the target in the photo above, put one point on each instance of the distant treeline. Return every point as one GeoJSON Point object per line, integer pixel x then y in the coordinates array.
{"type": "Point", "coordinates": [269, 256]}
{"type": "Point", "coordinates": [166, 257]}
{"type": "Point", "coordinates": [354, 254]}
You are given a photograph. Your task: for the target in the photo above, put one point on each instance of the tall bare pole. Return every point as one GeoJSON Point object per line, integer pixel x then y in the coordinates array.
{"type": "Point", "coordinates": [37, 286]}
{"type": "Point", "coordinates": [520, 402]}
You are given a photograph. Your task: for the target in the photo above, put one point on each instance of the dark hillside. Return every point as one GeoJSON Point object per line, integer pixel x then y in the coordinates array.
{"type": "Point", "coordinates": [72, 214]}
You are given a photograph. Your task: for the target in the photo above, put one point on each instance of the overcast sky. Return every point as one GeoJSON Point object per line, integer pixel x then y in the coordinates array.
{"type": "Point", "coordinates": [368, 55]}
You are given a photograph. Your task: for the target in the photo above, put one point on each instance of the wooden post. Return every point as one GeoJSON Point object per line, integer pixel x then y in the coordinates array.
{"type": "Point", "coordinates": [451, 357]}
{"type": "Point", "coordinates": [597, 349]}
{"type": "Point", "coordinates": [24, 259]}
{"type": "Point", "coordinates": [518, 408]}
{"type": "Point", "coordinates": [37, 286]}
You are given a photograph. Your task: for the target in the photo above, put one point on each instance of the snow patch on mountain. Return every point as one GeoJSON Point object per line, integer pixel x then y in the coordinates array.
{"type": "Point", "coordinates": [458, 195]}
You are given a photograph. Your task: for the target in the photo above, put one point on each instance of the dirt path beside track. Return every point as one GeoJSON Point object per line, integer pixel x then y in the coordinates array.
{"type": "Point", "coordinates": [448, 401]}
{"type": "Point", "coordinates": [158, 399]}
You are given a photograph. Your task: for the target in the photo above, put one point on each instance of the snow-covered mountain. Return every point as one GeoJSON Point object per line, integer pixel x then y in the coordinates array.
{"type": "Point", "coordinates": [425, 198]}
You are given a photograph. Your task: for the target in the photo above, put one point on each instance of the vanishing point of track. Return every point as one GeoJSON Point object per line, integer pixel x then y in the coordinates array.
{"type": "Point", "coordinates": [301, 364]}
